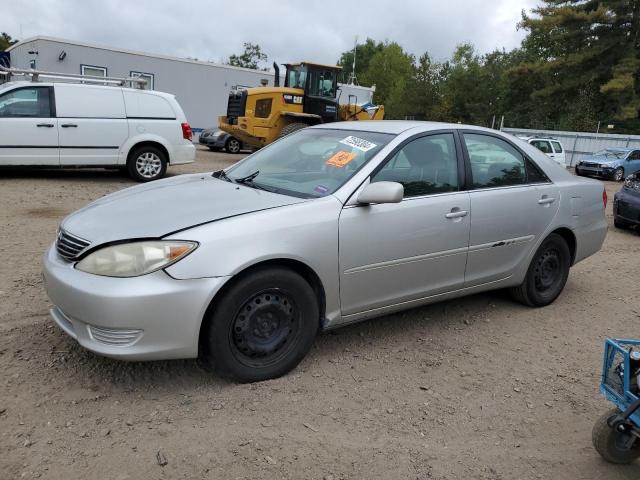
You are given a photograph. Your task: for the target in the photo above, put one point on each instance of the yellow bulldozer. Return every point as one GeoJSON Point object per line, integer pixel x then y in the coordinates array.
{"type": "Point", "coordinates": [260, 115]}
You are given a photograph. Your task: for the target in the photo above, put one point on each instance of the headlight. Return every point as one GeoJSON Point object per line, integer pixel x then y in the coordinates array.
{"type": "Point", "coordinates": [136, 258]}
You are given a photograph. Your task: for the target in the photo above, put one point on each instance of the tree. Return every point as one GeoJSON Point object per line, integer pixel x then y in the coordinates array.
{"type": "Point", "coordinates": [585, 49]}
{"type": "Point", "coordinates": [252, 57]}
{"type": "Point", "coordinates": [6, 41]}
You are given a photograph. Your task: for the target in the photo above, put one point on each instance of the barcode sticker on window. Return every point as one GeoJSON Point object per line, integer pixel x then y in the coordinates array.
{"type": "Point", "coordinates": [359, 143]}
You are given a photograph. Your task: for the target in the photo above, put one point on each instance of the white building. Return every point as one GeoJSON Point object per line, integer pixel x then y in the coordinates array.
{"type": "Point", "coordinates": [202, 88]}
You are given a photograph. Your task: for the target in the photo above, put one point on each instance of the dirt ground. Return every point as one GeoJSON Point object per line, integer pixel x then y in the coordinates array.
{"type": "Point", "coordinates": [476, 388]}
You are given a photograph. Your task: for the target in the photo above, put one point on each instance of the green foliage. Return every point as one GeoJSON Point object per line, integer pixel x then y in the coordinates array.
{"type": "Point", "coordinates": [252, 57]}
{"type": "Point", "coordinates": [6, 41]}
{"type": "Point", "coordinates": [579, 64]}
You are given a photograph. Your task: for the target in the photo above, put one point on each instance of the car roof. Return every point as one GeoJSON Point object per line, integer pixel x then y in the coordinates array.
{"type": "Point", "coordinates": [396, 127]}
{"type": "Point", "coordinates": [23, 83]}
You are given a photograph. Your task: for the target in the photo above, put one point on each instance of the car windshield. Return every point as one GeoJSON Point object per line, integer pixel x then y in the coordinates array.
{"type": "Point", "coordinates": [310, 163]}
{"type": "Point", "coordinates": [611, 153]}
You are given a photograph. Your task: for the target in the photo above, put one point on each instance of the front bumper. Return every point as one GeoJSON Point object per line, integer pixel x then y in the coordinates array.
{"type": "Point", "coordinates": [151, 317]}
{"type": "Point", "coordinates": [626, 207]}
{"type": "Point", "coordinates": [596, 171]}
{"type": "Point", "coordinates": [184, 153]}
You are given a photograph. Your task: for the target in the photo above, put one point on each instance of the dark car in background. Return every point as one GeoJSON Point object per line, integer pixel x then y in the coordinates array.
{"type": "Point", "coordinates": [626, 203]}
{"type": "Point", "coordinates": [612, 163]}
{"type": "Point", "coordinates": [217, 140]}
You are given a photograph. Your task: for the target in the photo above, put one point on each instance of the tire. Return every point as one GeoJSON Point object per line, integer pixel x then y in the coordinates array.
{"type": "Point", "coordinates": [547, 274]}
{"type": "Point", "coordinates": [579, 172]}
{"type": "Point", "coordinates": [605, 441]}
{"type": "Point", "coordinates": [147, 163]}
{"type": "Point", "coordinates": [233, 145]}
{"type": "Point", "coordinates": [618, 174]}
{"type": "Point", "coordinates": [262, 326]}
{"type": "Point", "coordinates": [621, 224]}
{"type": "Point", "coordinates": [292, 127]}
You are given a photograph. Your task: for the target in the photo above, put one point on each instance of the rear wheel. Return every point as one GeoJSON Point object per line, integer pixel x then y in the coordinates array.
{"type": "Point", "coordinates": [262, 327]}
{"type": "Point", "coordinates": [611, 444]}
{"type": "Point", "coordinates": [147, 163]}
{"type": "Point", "coordinates": [233, 145]}
{"type": "Point", "coordinates": [547, 273]}
{"type": "Point", "coordinates": [618, 174]}
{"type": "Point", "coordinates": [292, 127]}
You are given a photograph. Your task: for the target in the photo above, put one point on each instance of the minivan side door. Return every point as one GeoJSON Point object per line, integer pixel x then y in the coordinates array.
{"type": "Point", "coordinates": [92, 123]}
{"type": "Point", "coordinates": [28, 127]}
{"type": "Point", "coordinates": [512, 203]}
{"type": "Point", "coordinates": [401, 252]}
{"type": "Point", "coordinates": [559, 153]}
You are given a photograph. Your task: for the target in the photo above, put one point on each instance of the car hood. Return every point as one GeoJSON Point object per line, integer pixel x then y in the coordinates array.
{"type": "Point", "coordinates": [602, 160]}
{"type": "Point", "coordinates": [166, 206]}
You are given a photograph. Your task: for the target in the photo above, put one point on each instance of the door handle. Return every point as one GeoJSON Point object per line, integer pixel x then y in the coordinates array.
{"type": "Point", "coordinates": [456, 213]}
{"type": "Point", "coordinates": [46, 125]}
{"type": "Point", "coordinates": [546, 200]}
{"type": "Point", "coordinates": [69, 125]}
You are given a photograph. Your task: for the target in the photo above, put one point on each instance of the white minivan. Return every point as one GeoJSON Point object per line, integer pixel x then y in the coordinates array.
{"type": "Point", "coordinates": [80, 125]}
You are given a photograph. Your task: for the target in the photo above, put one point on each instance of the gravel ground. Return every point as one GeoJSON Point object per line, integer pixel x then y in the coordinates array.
{"type": "Point", "coordinates": [476, 388]}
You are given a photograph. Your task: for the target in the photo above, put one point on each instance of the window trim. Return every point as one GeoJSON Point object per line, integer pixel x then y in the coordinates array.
{"type": "Point", "coordinates": [52, 101]}
{"type": "Point", "coordinates": [152, 75]}
{"type": "Point", "coordinates": [459, 161]}
{"type": "Point", "coordinates": [83, 65]}
{"type": "Point", "coordinates": [469, 177]}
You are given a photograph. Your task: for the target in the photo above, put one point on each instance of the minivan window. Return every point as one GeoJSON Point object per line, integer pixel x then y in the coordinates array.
{"type": "Point", "coordinates": [557, 147]}
{"type": "Point", "coordinates": [30, 102]}
{"type": "Point", "coordinates": [494, 162]}
{"type": "Point", "coordinates": [542, 145]}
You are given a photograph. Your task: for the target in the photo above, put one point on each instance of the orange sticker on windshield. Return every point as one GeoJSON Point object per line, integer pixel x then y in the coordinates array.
{"type": "Point", "coordinates": [340, 159]}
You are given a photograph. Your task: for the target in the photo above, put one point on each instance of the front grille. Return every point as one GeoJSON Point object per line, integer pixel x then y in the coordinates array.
{"type": "Point", "coordinates": [592, 165]}
{"type": "Point", "coordinates": [69, 246]}
{"type": "Point", "coordinates": [118, 337]}
{"type": "Point", "coordinates": [236, 104]}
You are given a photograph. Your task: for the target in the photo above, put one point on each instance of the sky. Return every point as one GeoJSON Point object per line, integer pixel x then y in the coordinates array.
{"type": "Point", "coordinates": [286, 30]}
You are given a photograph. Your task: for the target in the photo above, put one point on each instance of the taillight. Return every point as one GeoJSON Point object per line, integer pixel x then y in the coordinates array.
{"type": "Point", "coordinates": [604, 198]}
{"type": "Point", "coordinates": [187, 134]}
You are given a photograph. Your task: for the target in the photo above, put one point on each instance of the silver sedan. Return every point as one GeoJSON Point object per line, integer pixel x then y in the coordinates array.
{"type": "Point", "coordinates": [328, 226]}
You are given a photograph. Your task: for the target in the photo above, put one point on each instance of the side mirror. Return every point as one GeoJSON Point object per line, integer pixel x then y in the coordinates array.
{"type": "Point", "coordinates": [381, 192]}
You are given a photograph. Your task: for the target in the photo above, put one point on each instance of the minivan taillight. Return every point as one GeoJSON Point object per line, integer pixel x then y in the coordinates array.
{"type": "Point", "coordinates": [604, 198]}
{"type": "Point", "coordinates": [187, 134]}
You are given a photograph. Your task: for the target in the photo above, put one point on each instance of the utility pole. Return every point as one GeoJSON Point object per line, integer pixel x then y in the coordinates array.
{"type": "Point", "coordinates": [352, 78]}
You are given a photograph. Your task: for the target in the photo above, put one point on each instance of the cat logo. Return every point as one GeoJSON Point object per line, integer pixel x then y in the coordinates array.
{"type": "Point", "coordinates": [295, 99]}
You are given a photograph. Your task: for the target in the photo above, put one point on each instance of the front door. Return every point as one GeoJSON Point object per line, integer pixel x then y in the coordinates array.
{"type": "Point", "coordinates": [320, 94]}
{"type": "Point", "coordinates": [512, 203]}
{"type": "Point", "coordinates": [92, 123]}
{"type": "Point", "coordinates": [633, 163]}
{"type": "Point", "coordinates": [28, 127]}
{"type": "Point", "coordinates": [395, 253]}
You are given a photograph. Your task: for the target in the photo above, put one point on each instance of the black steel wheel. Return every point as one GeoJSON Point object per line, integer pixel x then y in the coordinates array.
{"type": "Point", "coordinates": [547, 273]}
{"type": "Point", "coordinates": [613, 446]}
{"type": "Point", "coordinates": [262, 326]}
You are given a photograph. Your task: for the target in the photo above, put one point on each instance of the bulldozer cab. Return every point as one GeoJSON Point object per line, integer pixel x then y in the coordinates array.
{"type": "Point", "coordinates": [320, 85]}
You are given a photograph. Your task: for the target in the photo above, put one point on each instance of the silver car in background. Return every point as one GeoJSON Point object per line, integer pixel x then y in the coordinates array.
{"type": "Point", "coordinates": [328, 226]}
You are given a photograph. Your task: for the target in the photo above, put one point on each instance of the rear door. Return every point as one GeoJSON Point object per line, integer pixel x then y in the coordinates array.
{"type": "Point", "coordinates": [512, 203]}
{"type": "Point", "coordinates": [28, 127]}
{"type": "Point", "coordinates": [558, 152]}
{"type": "Point", "coordinates": [92, 124]}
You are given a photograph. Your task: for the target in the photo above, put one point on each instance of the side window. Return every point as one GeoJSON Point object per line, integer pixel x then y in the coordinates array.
{"type": "Point", "coordinates": [542, 145]}
{"type": "Point", "coordinates": [557, 147]}
{"type": "Point", "coordinates": [635, 155]}
{"type": "Point", "coordinates": [321, 83]}
{"type": "Point", "coordinates": [26, 102]}
{"type": "Point", "coordinates": [426, 165]}
{"type": "Point", "coordinates": [534, 174]}
{"type": "Point", "coordinates": [494, 162]}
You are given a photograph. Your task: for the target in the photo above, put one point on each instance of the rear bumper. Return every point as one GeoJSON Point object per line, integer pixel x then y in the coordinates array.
{"type": "Point", "coordinates": [184, 153]}
{"type": "Point", "coordinates": [213, 142]}
{"type": "Point", "coordinates": [151, 317]}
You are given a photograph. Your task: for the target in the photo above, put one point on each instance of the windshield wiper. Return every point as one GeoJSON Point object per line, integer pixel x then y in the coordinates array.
{"type": "Point", "coordinates": [222, 175]}
{"type": "Point", "coordinates": [248, 178]}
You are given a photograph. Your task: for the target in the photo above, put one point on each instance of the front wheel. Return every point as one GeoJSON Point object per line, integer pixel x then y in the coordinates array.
{"type": "Point", "coordinates": [611, 444]}
{"type": "Point", "coordinates": [233, 145]}
{"type": "Point", "coordinates": [547, 273]}
{"type": "Point", "coordinates": [618, 174]}
{"type": "Point", "coordinates": [147, 163]}
{"type": "Point", "coordinates": [262, 326]}
{"type": "Point", "coordinates": [579, 172]}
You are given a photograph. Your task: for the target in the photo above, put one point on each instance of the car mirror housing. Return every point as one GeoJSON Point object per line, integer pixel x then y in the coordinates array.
{"type": "Point", "coordinates": [381, 192]}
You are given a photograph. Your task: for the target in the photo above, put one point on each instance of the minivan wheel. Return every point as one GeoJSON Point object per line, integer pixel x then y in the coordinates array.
{"type": "Point", "coordinates": [233, 145]}
{"type": "Point", "coordinates": [547, 273]}
{"type": "Point", "coordinates": [262, 326]}
{"type": "Point", "coordinates": [147, 163]}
